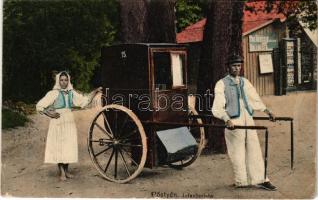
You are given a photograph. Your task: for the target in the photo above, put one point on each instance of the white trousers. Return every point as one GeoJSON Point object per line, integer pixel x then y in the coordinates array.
{"type": "Point", "coordinates": [245, 152]}
{"type": "Point", "coordinates": [246, 156]}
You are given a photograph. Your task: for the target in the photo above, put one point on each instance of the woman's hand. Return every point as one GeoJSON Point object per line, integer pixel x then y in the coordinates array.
{"type": "Point", "coordinates": [52, 114]}
{"type": "Point", "coordinates": [96, 91]}
{"type": "Point", "coordinates": [99, 89]}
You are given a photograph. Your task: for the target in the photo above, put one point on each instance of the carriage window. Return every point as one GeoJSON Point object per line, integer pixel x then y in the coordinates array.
{"type": "Point", "coordinates": [177, 72]}
{"type": "Point", "coordinates": [168, 68]}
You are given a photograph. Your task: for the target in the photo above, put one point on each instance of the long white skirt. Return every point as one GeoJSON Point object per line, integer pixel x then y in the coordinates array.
{"type": "Point", "coordinates": [61, 142]}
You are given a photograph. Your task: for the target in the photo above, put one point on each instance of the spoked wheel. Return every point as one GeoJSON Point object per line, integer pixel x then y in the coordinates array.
{"type": "Point", "coordinates": [199, 135]}
{"type": "Point", "coordinates": [117, 143]}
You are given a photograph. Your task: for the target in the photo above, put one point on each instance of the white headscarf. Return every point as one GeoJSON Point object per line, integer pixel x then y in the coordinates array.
{"type": "Point", "coordinates": [57, 82]}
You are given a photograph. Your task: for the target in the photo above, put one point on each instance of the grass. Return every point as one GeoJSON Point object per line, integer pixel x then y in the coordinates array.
{"type": "Point", "coordinates": [12, 119]}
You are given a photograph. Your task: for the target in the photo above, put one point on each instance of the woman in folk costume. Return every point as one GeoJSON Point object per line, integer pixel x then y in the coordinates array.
{"type": "Point", "coordinates": [61, 144]}
{"type": "Point", "coordinates": [234, 102]}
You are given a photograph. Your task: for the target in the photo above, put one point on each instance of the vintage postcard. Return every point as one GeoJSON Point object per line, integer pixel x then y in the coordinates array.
{"type": "Point", "coordinates": [159, 99]}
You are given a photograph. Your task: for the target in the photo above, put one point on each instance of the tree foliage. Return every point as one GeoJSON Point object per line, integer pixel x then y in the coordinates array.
{"type": "Point", "coordinates": [302, 11]}
{"type": "Point", "coordinates": [187, 13]}
{"type": "Point", "coordinates": [42, 36]}
{"type": "Point", "coordinates": [190, 11]}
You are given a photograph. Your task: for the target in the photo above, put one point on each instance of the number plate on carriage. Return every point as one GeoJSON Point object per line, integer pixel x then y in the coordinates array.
{"type": "Point", "coordinates": [178, 144]}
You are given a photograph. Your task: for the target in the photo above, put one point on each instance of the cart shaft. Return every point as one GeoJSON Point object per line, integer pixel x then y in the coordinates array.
{"type": "Point", "coordinates": [202, 125]}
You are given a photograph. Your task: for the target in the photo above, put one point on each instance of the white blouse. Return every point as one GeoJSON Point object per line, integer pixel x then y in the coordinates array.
{"type": "Point", "coordinates": [78, 100]}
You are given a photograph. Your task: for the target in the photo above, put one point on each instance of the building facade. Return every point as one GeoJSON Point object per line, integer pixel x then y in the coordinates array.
{"type": "Point", "coordinates": [276, 60]}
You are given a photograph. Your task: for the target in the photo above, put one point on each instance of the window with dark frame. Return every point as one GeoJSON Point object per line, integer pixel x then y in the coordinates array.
{"type": "Point", "coordinates": [169, 70]}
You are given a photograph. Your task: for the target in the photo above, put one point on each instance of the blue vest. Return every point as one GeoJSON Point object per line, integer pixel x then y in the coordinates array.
{"type": "Point", "coordinates": [232, 96]}
{"type": "Point", "coordinates": [60, 100]}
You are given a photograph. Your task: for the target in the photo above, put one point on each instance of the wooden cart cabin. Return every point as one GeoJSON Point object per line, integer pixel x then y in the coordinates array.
{"type": "Point", "coordinates": [149, 79]}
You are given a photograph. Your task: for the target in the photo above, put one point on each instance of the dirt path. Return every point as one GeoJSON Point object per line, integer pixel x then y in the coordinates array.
{"type": "Point", "coordinates": [25, 175]}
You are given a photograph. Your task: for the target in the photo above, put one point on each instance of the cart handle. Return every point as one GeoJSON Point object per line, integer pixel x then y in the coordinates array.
{"type": "Point", "coordinates": [276, 118]}
{"type": "Point", "coordinates": [221, 126]}
{"type": "Point", "coordinates": [255, 118]}
{"type": "Point", "coordinates": [290, 119]}
{"type": "Point", "coordinates": [202, 125]}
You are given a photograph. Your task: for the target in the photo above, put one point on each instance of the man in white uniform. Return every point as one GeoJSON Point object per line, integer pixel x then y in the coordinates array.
{"type": "Point", "coordinates": [234, 102]}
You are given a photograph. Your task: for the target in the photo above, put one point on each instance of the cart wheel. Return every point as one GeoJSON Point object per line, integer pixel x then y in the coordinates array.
{"type": "Point", "coordinates": [199, 135]}
{"type": "Point", "coordinates": [117, 143]}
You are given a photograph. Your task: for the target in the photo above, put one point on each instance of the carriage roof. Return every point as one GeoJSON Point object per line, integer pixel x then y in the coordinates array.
{"type": "Point", "coordinates": [148, 45]}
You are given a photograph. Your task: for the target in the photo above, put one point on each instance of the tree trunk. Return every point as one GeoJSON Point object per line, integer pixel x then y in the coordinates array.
{"type": "Point", "coordinates": [133, 21]}
{"type": "Point", "coordinates": [161, 21]}
{"type": "Point", "coordinates": [222, 37]}
{"type": "Point", "coordinates": [236, 30]}
{"type": "Point", "coordinates": [147, 21]}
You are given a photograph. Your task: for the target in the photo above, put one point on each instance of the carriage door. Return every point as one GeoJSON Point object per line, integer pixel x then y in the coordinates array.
{"type": "Point", "coordinates": [169, 85]}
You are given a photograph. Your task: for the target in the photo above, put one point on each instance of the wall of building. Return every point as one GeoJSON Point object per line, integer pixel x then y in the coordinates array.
{"type": "Point", "coordinates": [264, 83]}
{"type": "Point", "coordinates": [308, 52]}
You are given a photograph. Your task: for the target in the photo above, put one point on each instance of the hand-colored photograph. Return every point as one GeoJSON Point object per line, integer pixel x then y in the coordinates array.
{"type": "Point", "coordinates": [190, 99]}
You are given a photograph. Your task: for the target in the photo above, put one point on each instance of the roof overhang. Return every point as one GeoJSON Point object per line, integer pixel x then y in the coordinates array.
{"type": "Point", "coordinates": [313, 35]}
{"type": "Point", "coordinates": [260, 26]}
